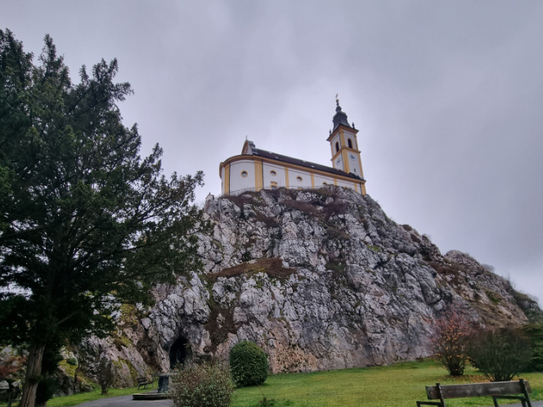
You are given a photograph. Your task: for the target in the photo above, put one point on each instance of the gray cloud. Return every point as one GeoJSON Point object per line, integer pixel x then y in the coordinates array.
{"type": "Point", "coordinates": [448, 98]}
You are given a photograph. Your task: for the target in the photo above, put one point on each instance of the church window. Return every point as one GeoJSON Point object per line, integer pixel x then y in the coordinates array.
{"type": "Point", "coordinates": [299, 179]}
{"type": "Point", "coordinates": [274, 185]}
{"type": "Point", "coordinates": [272, 172]}
{"type": "Point", "coordinates": [350, 143]}
{"type": "Point", "coordinates": [337, 146]}
{"type": "Point", "coordinates": [244, 174]}
{"type": "Point", "coordinates": [324, 183]}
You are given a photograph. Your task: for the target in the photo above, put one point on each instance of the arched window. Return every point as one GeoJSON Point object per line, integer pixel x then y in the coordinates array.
{"type": "Point", "coordinates": [274, 185]}
{"type": "Point", "coordinates": [337, 146]}
{"type": "Point", "coordinates": [244, 174]}
{"type": "Point", "coordinates": [273, 173]}
{"type": "Point", "coordinates": [350, 143]}
{"type": "Point", "coordinates": [299, 179]}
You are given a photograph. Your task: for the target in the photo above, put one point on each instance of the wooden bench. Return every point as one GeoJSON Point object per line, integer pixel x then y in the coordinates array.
{"type": "Point", "coordinates": [498, 390]}
{"type": "Point", "coordinates": [143, 381]}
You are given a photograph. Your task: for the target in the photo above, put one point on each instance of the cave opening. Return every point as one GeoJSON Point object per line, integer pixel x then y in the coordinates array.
{"type": "Point", "coordinates": [179, 352]}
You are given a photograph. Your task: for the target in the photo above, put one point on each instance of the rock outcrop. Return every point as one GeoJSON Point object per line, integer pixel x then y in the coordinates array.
{"type": "Point", "coordinates": [320, 279]}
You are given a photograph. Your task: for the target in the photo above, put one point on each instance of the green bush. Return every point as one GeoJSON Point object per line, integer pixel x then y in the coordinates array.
{"type": "Point", "coordinates": [205, 385]}
{"type": "Point", "coordinates": [248, 364]}
{"type": "Point", "coordinates": [535, 333]}
{"type": "Point", "coordinates": [499, 354]}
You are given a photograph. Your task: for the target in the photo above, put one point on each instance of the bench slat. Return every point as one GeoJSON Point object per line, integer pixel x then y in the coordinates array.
{"type": "Point", "coordinates": [477, 390]}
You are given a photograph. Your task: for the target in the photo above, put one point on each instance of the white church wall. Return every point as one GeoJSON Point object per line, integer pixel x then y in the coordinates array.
{"type": "Point", "coordinates": [237, 180]}
{"type": "Point", "coordinates": [345, 184]}
{"type": "Point", "coordinates": [299, 179]}
{"type": "Point", "coordinates": [320, 180]}
{"type": "Point", "coordinates": [279, 176]}
{"type": "Point", "coordinates": [274, 175]}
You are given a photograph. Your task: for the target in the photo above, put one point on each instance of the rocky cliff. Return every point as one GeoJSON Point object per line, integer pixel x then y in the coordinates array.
{"type": "Point", "coordinates": [320, 279]}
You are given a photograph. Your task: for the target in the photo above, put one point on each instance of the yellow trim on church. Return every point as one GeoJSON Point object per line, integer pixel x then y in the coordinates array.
{"type": "Point", "coordinates": [346, 166]}
{"type": "Point", "coordinates": [286, 177]}
{"type": "Point", "coordinates": [259, 179]}
{"type": "Point", "coordinates": [227, 179]}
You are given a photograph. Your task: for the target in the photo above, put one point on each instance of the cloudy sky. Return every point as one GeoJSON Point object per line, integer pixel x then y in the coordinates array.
{"type": "Point", "coordinates": [448, 98]}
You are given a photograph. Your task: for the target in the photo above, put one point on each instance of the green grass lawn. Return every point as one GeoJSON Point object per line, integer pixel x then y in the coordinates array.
{"type": "Point", "coordinates": [392, 386]}
{"type": "Point", "coordinates": [397, 385]}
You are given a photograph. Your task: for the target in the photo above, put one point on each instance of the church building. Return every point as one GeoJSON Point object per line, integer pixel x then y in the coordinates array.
{"type": "Point", "coordinates": [255, 169]}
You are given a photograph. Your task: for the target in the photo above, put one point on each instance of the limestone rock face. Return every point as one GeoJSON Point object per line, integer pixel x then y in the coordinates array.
{"type": "Point", "coordinates": [319, 279]}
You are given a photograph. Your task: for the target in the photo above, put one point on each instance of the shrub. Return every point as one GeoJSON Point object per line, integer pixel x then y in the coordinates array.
{"type": "Point", "coordinates": [249, 364]}
{"type": "Point", "coordinates": [449, 342]}
{"type": "Point", "coordinates": [206, 385]}
{"type": "Point", "coordinates": [105, 374]}
{"type": "Point", "coordinates": [499, 354]}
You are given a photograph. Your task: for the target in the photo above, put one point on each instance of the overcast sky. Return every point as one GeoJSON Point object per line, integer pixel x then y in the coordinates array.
{"type": "Point", "coordinates": [448, 98]}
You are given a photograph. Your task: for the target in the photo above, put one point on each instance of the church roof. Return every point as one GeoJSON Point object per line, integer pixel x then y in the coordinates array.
{"type": "Point", "coordinates": [302, 163]}
{"type": "Point", "coordinates": [340, 117]}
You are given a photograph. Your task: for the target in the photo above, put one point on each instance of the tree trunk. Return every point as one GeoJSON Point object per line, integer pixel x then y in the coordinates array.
{"type": "Point", "coordinates": [33, 372]}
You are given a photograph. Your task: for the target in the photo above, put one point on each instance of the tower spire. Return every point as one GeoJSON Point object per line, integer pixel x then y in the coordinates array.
{"type": "Point", "coordinates": [340, 117]}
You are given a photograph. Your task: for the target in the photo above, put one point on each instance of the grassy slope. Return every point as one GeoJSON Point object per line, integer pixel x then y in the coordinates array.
{"type": "Point", "coordinates": [397, 385]}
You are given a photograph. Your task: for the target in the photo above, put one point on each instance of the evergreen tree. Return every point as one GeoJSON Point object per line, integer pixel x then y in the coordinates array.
{"type": "Point", "coordinates": [85, 222]}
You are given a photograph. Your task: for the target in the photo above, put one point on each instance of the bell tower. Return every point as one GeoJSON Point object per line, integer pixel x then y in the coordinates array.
{"type": "Point", "coordinates": [344, 145]}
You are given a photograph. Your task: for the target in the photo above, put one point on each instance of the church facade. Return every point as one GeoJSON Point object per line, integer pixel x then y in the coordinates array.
{"type": "Point", "coordinates": [255, 169]}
